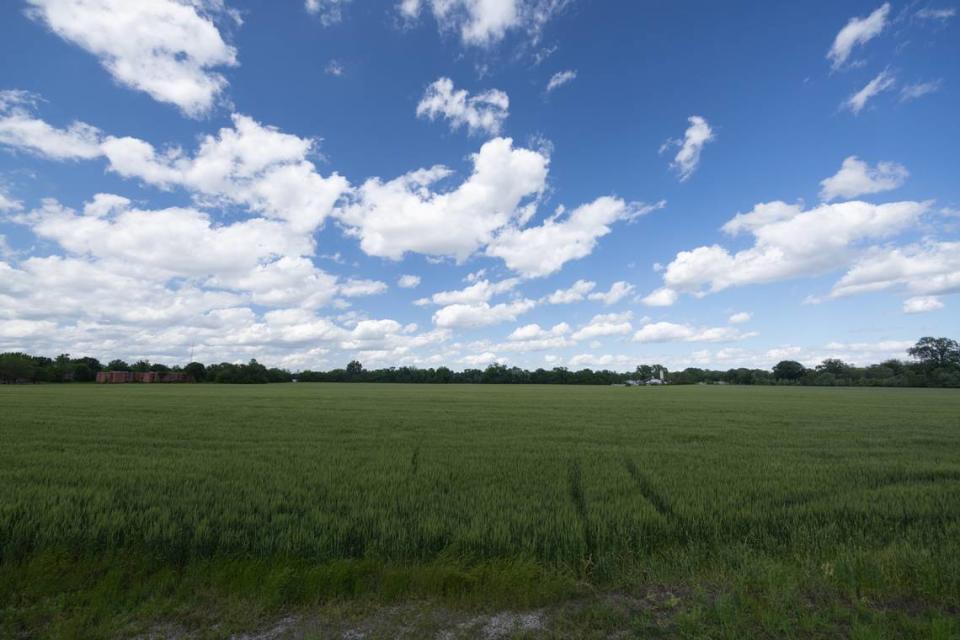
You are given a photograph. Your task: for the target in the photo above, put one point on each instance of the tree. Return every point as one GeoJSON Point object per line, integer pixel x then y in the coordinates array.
{"type": "Point", "coordinates": [936, 352]}
{"type": "Point", "coordinates": [643, 372]}
{"type": "Point", "coordinates": [354, 369]}
{"type": "Point", "coordinates": [118, 365]}
{"type": "Point", "coordinates": [789, 370]}
{"type": "Point", "coordinates": [15, 367]}
{"type": "Point", "coordinates": [141, 365]}
{"type": "Point", "coordinates": [196, 370]}
{"type": "Point", "coordinates": [83, 373]}
{"type": "Point", "coordinates": [833, 365]}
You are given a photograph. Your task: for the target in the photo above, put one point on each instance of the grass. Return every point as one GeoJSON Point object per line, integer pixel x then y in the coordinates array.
{"type": "Point", "coordinates": [766, 512]}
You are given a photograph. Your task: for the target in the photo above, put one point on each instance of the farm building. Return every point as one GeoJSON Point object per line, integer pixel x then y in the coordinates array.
{"type": "Point", "coordinates": [119, 377]}
{"type": "Point", "coordinates": [114, 377]}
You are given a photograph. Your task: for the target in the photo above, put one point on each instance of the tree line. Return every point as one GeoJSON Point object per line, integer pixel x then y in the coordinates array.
{"type": "Point", "coordinates": [934, 362]}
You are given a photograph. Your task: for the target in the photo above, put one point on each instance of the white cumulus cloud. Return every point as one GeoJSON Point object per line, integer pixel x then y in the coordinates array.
{"type": "Point", "coordinates": [408, 281]}
{"type": "Point", "coordinates": [544, 249]}
{"type": "Point", "coordinates": [484, 112]}
{"type": "Point", "coordinates": [485, 22]}
{"type": "Point", "coordinates": [789, 242]}
{"type": "Point", "coordinates": [673, 332]}
{"type": "Point", "coordinates": [575, 293]}
{"type": "Point", "coordinates": [19, 128]}
{"type": "Point", "coordinates": [857, 178]}
{"type": "Point", "coordinates": [922, 304]}
{"type": "Point", "coordinates": [404, 214]}
{"type": "Point", "coordinates": [166, 48]}
{"type": "Point", "coordinates": [617, 292]}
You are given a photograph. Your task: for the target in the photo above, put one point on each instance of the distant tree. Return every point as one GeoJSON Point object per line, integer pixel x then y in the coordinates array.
{"type": "Point", "coordinates": [936, 352]}
{"type": "Point", "coordinates": [118, 365]}
{"type": "Point", "coordinates": [15, 367]}
{"type": "Point", "coordinates": [92, 363]}
{"type": "Point", "coordinates": [62, 368]}
{"type": "Point", "coordinates": [833, 365]}
{"type": "Point", "coordinates": [159, 368]}
{"type": "Point", "coordinates": [354, 369]}
{"type": "Point", "coordinates": [141, 366]}
{"type": "Point", "coordinates": [196, 370]}
{"type": "Point", "coordinates": [278, 375]}
{"type": "Point", "coordinates": [789, 370]}
{"type": "Point", "coordinates": [83, 373]}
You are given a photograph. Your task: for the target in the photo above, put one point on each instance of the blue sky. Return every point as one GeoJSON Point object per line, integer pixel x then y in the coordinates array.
{"type": "Point", "coordinates": [457, 182]}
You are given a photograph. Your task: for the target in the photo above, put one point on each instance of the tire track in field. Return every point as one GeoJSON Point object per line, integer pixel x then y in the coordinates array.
{"type": "Point", "coordinates": [653, 496]}
{"type": "Point", "coordinates": [579, 499]}
{"type": "Point", "coordinates": [415, 460]}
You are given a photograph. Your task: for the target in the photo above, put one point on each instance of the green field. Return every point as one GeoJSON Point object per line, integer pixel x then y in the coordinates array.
{"type": "Point", "coordinates": [712, 511]}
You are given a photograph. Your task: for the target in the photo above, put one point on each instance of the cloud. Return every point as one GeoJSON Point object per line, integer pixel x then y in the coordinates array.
{"type": "Point", "coordinates": [268, 172]}
{"type": "Point", "coordinates": [480, 359]}
{"type": "Point", "coordinates": [334, 68]}
{"type": "Point", "coordinates": [922, 304]}
{"type": "Point", "coordinates": [883, 82]}
{"type": "Point", "coordinates": [405, 214]}
{"type": "Point", "coordinates": [561, 78]}
{"type": "Point", "coordinates": [533, 337]}
{"type": "Point", "coordinates": [329, 11]}
{"type": "Point", "coordinates": [262, 261]}
{"type": "Point", "coordinates": [610, 324]}
{"type": "Point", "coordinates": [858, 31]}
{"type": "Point", "coordinates": [483, 23]}
{"type": "Point", "coordinates": [919, 89]}
{"type": "Point", "coordinates": [544, 249]}
{"type": "Point", "coordinates": [173, 242]}
{"type": "Point", "coordinates": [856, 353]}
{"type": "Point", "coordinates": [672, 332]}
{"type": "Point", "coordinates": [355, 287]}
{"type": "Point", "coordinates": [740, 317]}
{"type": "Point", "coordinates": [789, 242]}
{"type": "Point", "coordinates": [484, 112]}
{"type": "Point", "coordinates": [25, 328]}
{"type": "Point", "coordinates": [931, 268]}
{"type": "Point", "coordinates": [605, 361]}
{"type": "Point", "coordinates": [618, 291]}
{"type": "Point", "coordinates": [929, 13]}
{"type": "Point", "coordinates": [250, 164]}
{"type": "Point", "coordinates": [408, 281]}
{"type": "Point", "coordinates": [20, 129]}
{"type": "Point", "coordinates": [577, 292]}
{"type": "Point", "coordinates": [7, 203]}
{"type": "Point", "coordinates": [165, 48]}
{"type": "Point", "coordinates": [290, 281]}
{"type": "Point", "coordinates": [535, 332]}
{"type": "Point", "coordinates": [480, 314]}
{"type": "Point", "coordinates": [857, 178]}
{"type": "Point", "coordinates": [662, 297]}
{"type": "Point", "coordinates": [687, 159]}
{"type": "Point", "coordinates": [111, 308]}
{"type": "Point", "coordinates": [480, 291]}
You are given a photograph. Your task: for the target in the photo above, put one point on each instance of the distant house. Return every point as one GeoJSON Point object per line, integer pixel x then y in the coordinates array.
{"type": "Point", "coordinates": [632, 383]}
{"type": "Point", "coordinates": [114, 377]}
{"type": "Point", "coordinates": [654, 381]}
{"type": "Point", "coordinates": [120, 377]}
